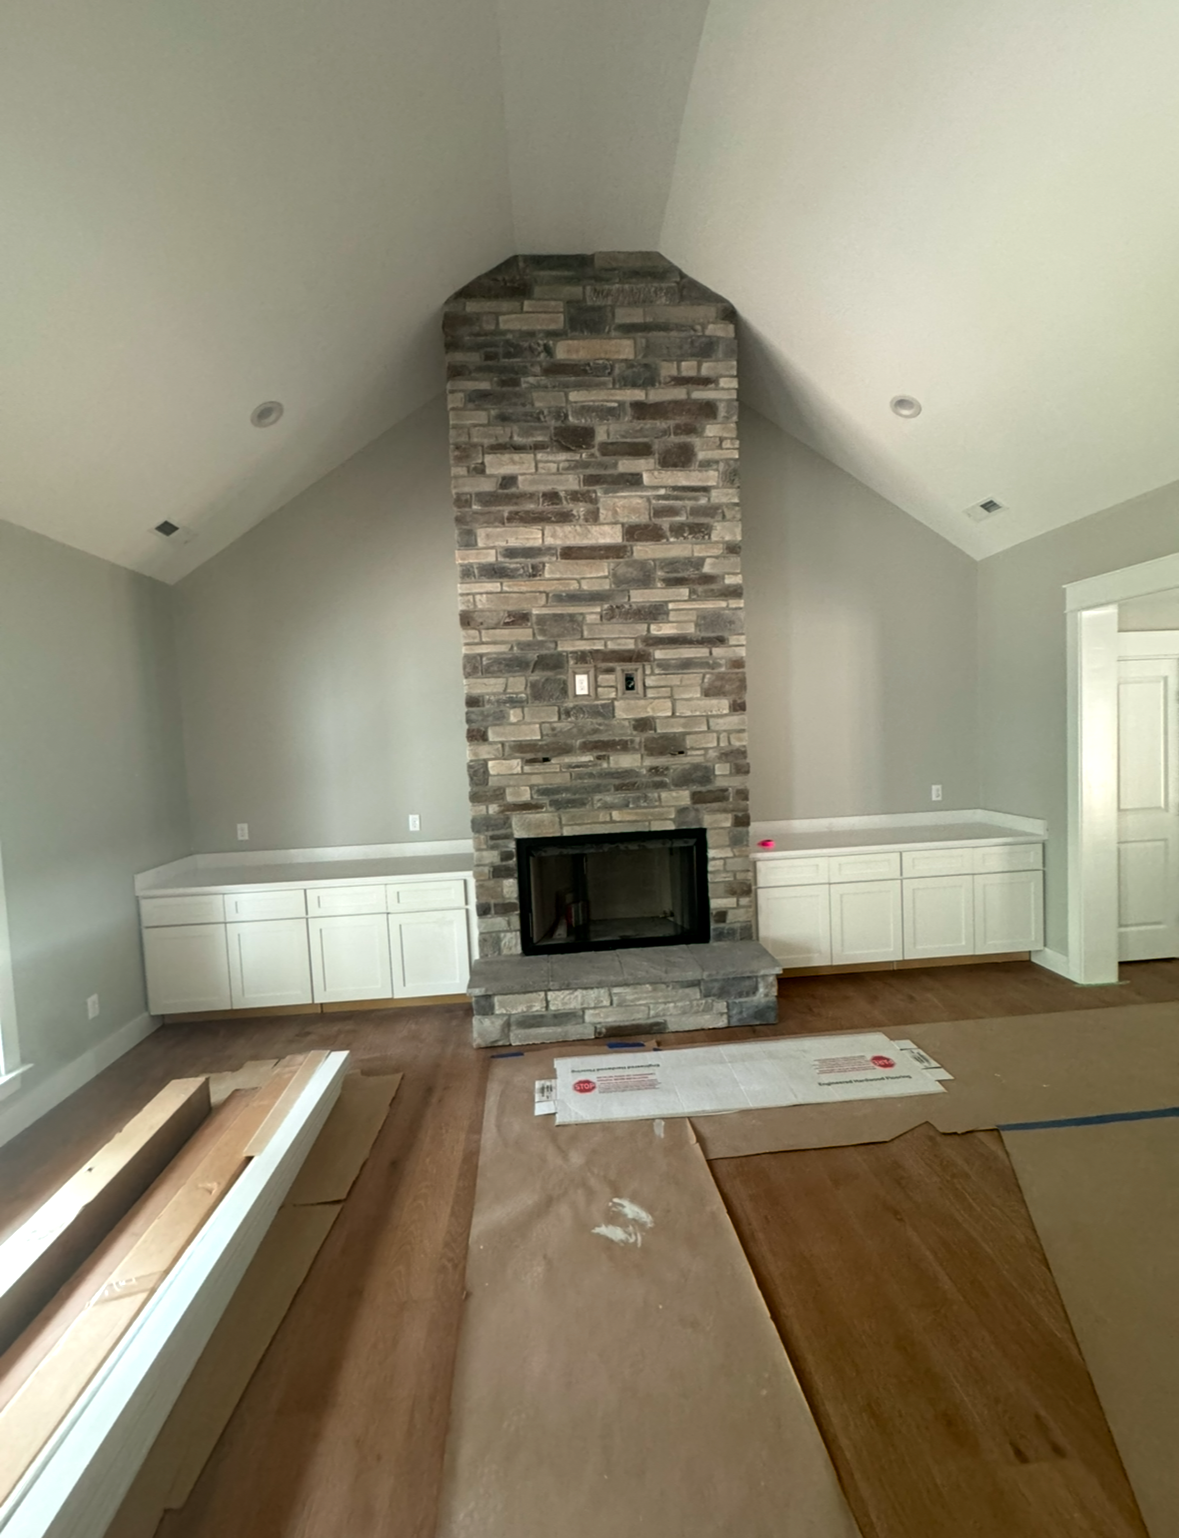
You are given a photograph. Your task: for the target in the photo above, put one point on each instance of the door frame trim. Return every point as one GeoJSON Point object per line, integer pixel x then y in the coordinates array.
{"type": "Point", "coordinates": [1092, 652]}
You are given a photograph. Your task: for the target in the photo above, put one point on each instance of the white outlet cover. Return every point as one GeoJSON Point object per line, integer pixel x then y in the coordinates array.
{"type": "Point", "coordinates": [415, 823]}
{"type": "Point", "coordinates": [243, 832]}
{"type": "Point", "coordinates": [92, 1007]}
{"type": "Point", "coordinates": [935, 793]}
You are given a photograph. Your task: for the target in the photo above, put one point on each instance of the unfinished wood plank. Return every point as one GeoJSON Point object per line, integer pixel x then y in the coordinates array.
{"type": "Point", "coordinates": [36, 1342]}
{"type": "Point", "coordinates": [42, 1402]}
{"type": "Point", "coordinates": [77, 1484]}
{"type": "Point", "coordinates": [49, 1246]}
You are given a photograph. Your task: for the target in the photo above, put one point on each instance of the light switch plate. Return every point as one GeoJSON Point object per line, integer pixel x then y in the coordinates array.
{"type": "Point", "coordinates": [581, 683]}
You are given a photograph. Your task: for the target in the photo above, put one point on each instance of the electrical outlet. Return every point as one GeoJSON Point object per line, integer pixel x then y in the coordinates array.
{"type": "Point", "coordinates": [243, 832]}
{"type": "Point", "coordinates": [92, 1007]}
{"type": "Point", "coordinates": [935, 793]}
{"type": "Point", "coordinates": [415, 823]}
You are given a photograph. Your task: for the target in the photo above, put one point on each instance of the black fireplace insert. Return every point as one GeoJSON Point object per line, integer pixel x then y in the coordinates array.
{"type": "Point", "coordinates": [603, 891]}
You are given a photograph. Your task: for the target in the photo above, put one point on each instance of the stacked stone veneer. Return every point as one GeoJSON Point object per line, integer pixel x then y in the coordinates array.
{"type": "Point", "coordinates": [593, 426]}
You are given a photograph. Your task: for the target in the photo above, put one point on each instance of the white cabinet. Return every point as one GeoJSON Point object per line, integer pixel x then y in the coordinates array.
{"type": "Point", "coordinates": [857, 907]}
{"type": "Point", "coordinates": [350, 958]}
{"type": "Point", "coordinates": [272, 947]}
{"type": "Point", "coordinates": [187, 968]}
{"type": "Point", "coordinates": [794, 924]}
{"type": "Point", "coordinates": [1009, 912]}
{"type": "Point", "coordinates": [430, 953]}
{"type": "Point", "coordinates": [269, 963]}
{"type": "Point", "coordinates": [865, 921]}
{"type": "Point", "coordinates": [939, 915]}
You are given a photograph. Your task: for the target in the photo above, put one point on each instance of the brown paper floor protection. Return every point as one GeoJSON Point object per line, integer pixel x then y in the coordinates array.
{"type": "Point", "coordinates": [1105, 1202]}
{"type": "Point", "coordinates": [610, 1385]}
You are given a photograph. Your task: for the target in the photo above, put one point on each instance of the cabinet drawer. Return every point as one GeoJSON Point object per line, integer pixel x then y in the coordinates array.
{"type": "Point", "coordinates": [288, 903]}
{"type": "Point", "coordinates": [1009, 857]}
{"type": "Point", "coordinates": [865, 867]}
{"type": "Point", "coordinates": [801, 872]}
{"type": "Point", "coordinates": [938, 862]}
{"type": "Point", "coordinates": [207, 908]}
{"type": "Point", "coordinates": [327, 902]}
{"type": "Point", "coordinates": [423, 896]}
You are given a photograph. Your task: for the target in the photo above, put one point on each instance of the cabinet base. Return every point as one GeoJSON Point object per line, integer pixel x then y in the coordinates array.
{"type": "Point", "coordinates": [904, 966]}
{"type": "Point", "coordinates": [349, 1008]}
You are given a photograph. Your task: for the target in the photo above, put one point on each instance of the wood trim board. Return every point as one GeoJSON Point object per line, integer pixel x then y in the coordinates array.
{"type": "Point", "coordinates": [39, 1256]}
{"type": "Point", "coordinates": [75, 1484]}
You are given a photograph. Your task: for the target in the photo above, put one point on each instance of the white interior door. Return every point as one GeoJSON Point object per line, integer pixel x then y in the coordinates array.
{"type": "Point", "coordinates": [1148, 806]}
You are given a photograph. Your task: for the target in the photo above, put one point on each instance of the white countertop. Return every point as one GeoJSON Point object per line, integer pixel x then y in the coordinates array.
{"type": "Point", "coordinates": [885, 834]}
{"type": "Point", "coordinates": [313, 873]}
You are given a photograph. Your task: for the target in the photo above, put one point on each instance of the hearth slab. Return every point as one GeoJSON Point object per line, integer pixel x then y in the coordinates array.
{"type": "Point", "coordinates": [735, 958]}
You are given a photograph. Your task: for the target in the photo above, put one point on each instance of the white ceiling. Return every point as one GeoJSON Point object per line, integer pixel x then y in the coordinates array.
{"type": "Point", "coordinates": [210, 206]}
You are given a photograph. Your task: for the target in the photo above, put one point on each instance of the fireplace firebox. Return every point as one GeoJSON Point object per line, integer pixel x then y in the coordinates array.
{"type": "Point", "coordinates": [610, 890]}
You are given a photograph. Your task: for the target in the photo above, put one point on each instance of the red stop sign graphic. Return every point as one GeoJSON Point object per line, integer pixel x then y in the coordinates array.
{"type": "Point", "coordinates": [584, 1086]}
{"type": "Point", "coordinates": [883, 1062]}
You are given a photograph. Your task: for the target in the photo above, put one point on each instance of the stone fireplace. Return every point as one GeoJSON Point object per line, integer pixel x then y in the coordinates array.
{"type": "Point", "coordinates": [594, 453]}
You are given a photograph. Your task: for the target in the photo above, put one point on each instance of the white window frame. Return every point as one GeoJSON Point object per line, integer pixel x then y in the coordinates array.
{"type": "Point", "coordinates": [11, 1066]}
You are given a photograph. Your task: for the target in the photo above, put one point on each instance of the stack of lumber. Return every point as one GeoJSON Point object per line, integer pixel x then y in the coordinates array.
{"type": "Point", "coordinates": [111, 1290]}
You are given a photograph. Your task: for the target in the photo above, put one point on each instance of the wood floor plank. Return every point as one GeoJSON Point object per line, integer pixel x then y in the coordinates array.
{"type": "Point", "coordinates": [914, 1299]}
{"type": "Point", "coordinates": [343, 1428]}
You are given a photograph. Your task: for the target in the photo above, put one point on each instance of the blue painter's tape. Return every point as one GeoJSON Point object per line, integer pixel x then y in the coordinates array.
{"type": "Point", "coordinates": [494, 1055]}
{"type": "Point", "coordinates": [1090, 1121]}
{"type": "Point", "coordinates": [626, 1046]}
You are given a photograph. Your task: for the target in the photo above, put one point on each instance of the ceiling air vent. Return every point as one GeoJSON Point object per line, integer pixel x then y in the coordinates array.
{"type": "Point", "coordinates": [986, 509]}
{"type": "Point", "coordinates": [176, 532]}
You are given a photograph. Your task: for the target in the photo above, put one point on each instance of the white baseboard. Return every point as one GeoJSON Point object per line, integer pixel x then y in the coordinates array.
{"type": "Point", "coordinates": [1054, 961]}
{"type": "Point", "coordinates": [30, 1105]}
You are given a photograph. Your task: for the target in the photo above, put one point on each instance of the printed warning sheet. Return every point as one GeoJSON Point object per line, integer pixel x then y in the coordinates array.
{"type": "Point", "coordinates": [700, 1081]}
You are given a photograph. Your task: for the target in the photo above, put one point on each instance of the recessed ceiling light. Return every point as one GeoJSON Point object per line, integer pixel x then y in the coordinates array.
{"type": "Point", "coordinates": [906, 405]}
{"type": "Point", "coordinates": [986, 509]}
{"type": "Point", "coordinates": [268, 413]}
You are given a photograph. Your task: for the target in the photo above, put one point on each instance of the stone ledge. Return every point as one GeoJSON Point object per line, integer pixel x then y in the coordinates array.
{"type": "Point", "coordinates": [603, 969]}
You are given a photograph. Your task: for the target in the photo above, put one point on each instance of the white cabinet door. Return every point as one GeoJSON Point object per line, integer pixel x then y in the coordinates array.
{"type": "Point", "coordinates": [1009, 912]}
{"type": "Point", "coordinates": [865, 921]}
{"type": "Point", "coordinates": [1148, 808]}
{"type": "Point", "coordinates": [939, 916]}
{"type": "Point", "coordinates": [430, 953]}
{"type": "Point", "coordinates": [187, 969]}
{"type": "Point", "coordinates": [350, 958]}
{"type": "Point", "coordinates": [794, 924]}
{"type": "Point", "coordinates": [269, 964]}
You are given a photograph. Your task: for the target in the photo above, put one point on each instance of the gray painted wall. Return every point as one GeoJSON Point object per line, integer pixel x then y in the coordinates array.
{"type": "Point", "coordinates": [319, 661]}
{"type": "Point", "coordinates": [1021, 648]}
{"type": "Point", "coordinates": [861, 627]}
{"type": "Point", "coordinates": [91, 785]}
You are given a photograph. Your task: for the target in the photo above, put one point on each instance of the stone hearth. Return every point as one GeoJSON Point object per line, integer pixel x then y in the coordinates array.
{"type": "Point", "coordinates": [518, 999]}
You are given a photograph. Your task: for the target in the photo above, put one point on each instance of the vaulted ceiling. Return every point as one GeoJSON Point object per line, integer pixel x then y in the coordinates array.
{"type": "Point", "coordinates": [209, 206]}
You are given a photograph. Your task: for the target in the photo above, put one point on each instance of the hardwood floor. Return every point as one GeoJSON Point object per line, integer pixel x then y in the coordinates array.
{"type": "Point", "coordinates": [913, 1297]}
{"type": "Point", "coordinates": [343, 1427]}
